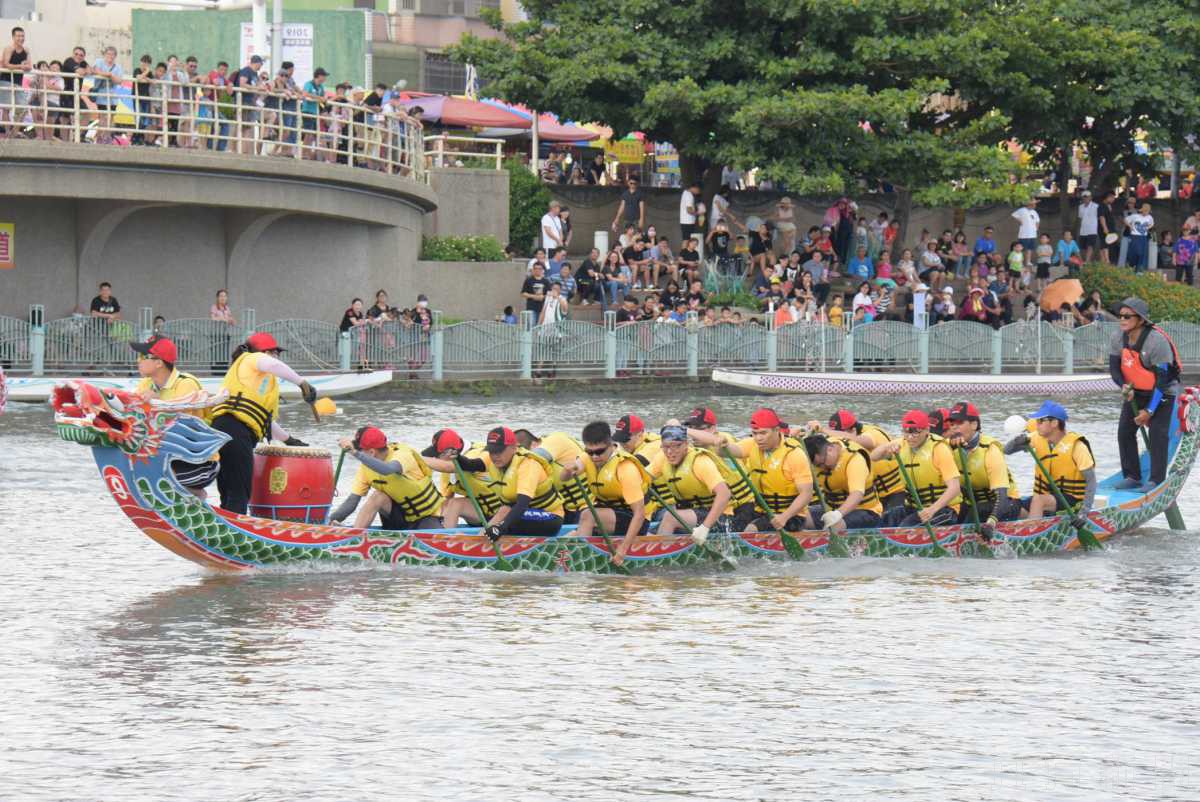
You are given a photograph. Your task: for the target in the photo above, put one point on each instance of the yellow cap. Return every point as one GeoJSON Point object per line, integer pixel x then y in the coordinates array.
{"type": "Point", "coordinates": [325, 407]}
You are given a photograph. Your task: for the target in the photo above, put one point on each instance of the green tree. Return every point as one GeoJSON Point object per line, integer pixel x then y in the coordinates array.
{"type": "Point", "coordinates": [527, 202]}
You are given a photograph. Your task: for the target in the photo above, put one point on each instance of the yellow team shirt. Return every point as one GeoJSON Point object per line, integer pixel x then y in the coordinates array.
{"type": "Point", "coordinates": [702, 469]}
{"type": "Point", "coordinates": [408, 466]}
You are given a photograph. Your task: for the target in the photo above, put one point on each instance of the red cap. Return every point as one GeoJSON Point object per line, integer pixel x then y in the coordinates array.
{"type": "Point", "coordinates": [445, 439]}
{"type": "Point", "coordinates": [915, 419]}
{"type": "Point", "coordinates": [842, 421]}
{"type": "Point", "coordinates": [158, 346]}
{"type": "Point", "coordinates": [765, 418]}
{"type": "Point", "coordinates": [499, 439]}
{"type": "Point", "coordinates": [963, 410]}
{"type": "Point", "coordinates": [261, 341]}
{"type": "Point", "coordinates": [701, 416]}
{"type": "Point", "coordinates": [627, 427]}
{"type": "Point", "coordinates": [371, 437]}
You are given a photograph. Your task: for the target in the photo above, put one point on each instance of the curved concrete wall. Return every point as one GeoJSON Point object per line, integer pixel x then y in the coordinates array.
{"type": "Point", "coordinates": [168, 228]}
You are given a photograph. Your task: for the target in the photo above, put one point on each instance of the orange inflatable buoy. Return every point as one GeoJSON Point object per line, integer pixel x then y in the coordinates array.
{"type": "Point", "coordinates": [292, 484]}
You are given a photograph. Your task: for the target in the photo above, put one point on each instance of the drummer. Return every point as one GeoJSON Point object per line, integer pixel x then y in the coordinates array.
{"type": "Point", "coordinates": [163, 381]}
{"type": "Point", "coordinates": [396, 482]}
{"type": "Point", "coordinates": [250, 414]}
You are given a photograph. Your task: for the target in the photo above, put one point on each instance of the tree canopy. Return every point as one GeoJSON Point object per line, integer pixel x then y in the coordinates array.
{"type": "Point", "coordinates": [920, 94]}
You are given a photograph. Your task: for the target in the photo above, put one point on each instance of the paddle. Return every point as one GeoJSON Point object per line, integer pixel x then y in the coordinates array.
{"type": "Point", "coordinates": [938, 551]}
{"type": "Point", "coordinates": [337, 473]}
{"type": "Point", "coordinates": [1174, 516]}
{"type": "Point", "coordinates": [837, 546]}
{"type": "Point", "coordinates": [1015, 426]}
{"type": "Point", "coordinates": [966, 480]}
{"type": "Point", "coordinates": [791, 544]}
{"type": "Point", "coordinates": [587, 497]}
{"type": "Point", "coordinates": [501, 563]}
{"type": "Point", "coordinates": [715, 555]}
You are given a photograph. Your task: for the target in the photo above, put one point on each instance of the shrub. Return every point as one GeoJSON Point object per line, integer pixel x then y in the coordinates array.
{"type": "Point", "coordinates": [527, 202]}
{"type": "Point", "coordinates": [462, 249]}
{"type": "Point", "coordinates": [1177, 302]}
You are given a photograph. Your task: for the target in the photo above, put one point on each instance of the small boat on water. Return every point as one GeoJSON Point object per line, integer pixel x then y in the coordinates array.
{"type": "Point", "coordinates": [133, 442]}
{"type": "Point", "coordinates": [40, 388]}
{"type": "Point", "coordinates": [946, 385]}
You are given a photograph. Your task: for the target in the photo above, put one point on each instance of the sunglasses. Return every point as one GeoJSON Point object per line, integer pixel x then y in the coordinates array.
{"type": "Point", "coordinates": [911, 429]}
{"type": "Point", "coordinates": [144, 357]}
{"type": "Point", "coordinates": [1128, 317]}
{"type": "Point", "coordinates": [596, 452]}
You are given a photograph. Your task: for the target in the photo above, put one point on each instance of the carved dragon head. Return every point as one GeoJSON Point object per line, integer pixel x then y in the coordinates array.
{"type": "Point", "coordinates": [143, 429]}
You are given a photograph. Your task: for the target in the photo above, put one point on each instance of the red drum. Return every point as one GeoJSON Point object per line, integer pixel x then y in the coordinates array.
{"type": "Point", "coordinates": [292, 484]}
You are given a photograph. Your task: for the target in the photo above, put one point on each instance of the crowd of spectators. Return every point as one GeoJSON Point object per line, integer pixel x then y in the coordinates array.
{"type": "Point", "coordinates": [178, 103]}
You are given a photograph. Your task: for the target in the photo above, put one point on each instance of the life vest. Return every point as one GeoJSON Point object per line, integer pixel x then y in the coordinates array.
{"type": "Point", "coordinates": [545, 495]}
{"type": "Point", "coordinates": [1060, 462]}
{"type": "Point", "coordinates": [886, 471]}
{"type": "Point", "coordinates": [416, 498]}
{"type": "Point", "coordinates": [253, 395]}
{"type": "Point", "coordinates": [647, 450]}
{"type": "Point", "coordinates": [483, 485]}
{"type": "Point", "coordinates": [977, 473]}
{"type": "Point", "coordinates": [835, 486]}
{"type": "Point", "coordinates": [925, 477]}
{"type": "Point", "coordinates": [690, 492]}
{"type": "Point", "coordinates": [179, 385]}
{"type": "Point", "coordinates": [562, 450]}
{"type": "Point", "coordinates": [766, 474]}
{"type": "Point", "coordinates": [1134, 369]}
{"type": "Point", "coordinates": [606, 488]}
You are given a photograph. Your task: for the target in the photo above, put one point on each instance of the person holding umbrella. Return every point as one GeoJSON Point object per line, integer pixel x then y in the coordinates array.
{"type": "Point", "coordinates": [1144, 363]}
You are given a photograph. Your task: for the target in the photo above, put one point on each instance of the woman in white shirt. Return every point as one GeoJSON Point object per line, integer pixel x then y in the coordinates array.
{"type": "Point", "coordinates": [862, 297]}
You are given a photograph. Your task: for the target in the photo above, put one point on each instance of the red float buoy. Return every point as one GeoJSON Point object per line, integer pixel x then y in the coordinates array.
{"type": "Point", "coordinates": [292, 484]}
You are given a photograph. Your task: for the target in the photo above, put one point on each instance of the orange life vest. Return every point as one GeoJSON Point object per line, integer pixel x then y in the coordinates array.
{"type": "Point", "coordinates": [1135, 371]}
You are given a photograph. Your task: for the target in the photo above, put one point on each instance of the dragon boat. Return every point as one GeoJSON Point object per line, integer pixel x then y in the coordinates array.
{"type": "Point", "coordinates": [134, 440]}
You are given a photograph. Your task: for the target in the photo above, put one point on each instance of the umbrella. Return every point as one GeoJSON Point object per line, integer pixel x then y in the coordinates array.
{"type": "Point", "coordinates": [1063, 291]}
{"type": "Point", "coordinates": [549, 128]}
{"type": "Point", "coordinates": [463, 113]}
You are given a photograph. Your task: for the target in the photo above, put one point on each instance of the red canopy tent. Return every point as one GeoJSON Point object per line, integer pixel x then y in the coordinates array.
{"type": "Point", "coordinates": [464, 113]}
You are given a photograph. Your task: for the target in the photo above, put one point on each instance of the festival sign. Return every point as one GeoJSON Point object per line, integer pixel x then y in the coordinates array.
{"type": "Point", "coordinates": [7, 243]}
{"type": "Point", "coordinates": [296, 46]}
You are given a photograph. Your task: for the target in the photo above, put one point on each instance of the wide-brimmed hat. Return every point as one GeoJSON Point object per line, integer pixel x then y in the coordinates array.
{"type": "Point", "coordinates": [1138, 307]}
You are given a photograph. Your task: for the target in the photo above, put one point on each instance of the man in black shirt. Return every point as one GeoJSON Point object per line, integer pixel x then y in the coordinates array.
{"type": "Point", "coordinates": [629, 312]}
{"type": "Point", "coordinates": [587, 278]}
{"type": "Point", "coordinates": [534, 290]}
{"type": "Point", "coordinates": [638, 262]}
{"type": "Point", "coordinates": [75, 65]}
{"type": "Point", "coordinates": [105, 305]}
{"type": "Point", "coordinates": [1108, 222]}
{"type": "Point", "coordinates": [632, 208]}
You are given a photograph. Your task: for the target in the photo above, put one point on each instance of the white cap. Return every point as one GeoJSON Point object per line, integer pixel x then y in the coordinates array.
{"type": "Point", "coordinates": [948, 290]}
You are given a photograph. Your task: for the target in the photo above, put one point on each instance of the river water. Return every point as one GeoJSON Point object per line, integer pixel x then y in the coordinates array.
{"type": "Point", "coordinates": [130, 673]}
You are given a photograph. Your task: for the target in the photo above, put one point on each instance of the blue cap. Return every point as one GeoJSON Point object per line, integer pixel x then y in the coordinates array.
{"type": "Point", "coordinates": [1050, 409]}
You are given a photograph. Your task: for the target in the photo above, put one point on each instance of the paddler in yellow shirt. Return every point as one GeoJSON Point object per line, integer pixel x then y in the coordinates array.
{"type": "Point", "coordinates": [843, 469]}
{"type": "Point", "coordinates": [561, 449]}
{"type": "Point", "coordinates": [394, 479]}
{"type": "Point", "coordinates": [778, 469]}
{"type": "Point", "coordinates": [530, 503]}
{"type": "Point", "coordinates": [1068, 458]}
{"type": "Point", "coordinates": [631, 435]}
{"type": "Point", "coordinates": [992, 484]}
{"type": "Point", "coordinates": [250, 414]}
{"type": "Point", "coordinates": [889, 485]}
{"type": "Point", "coordinates": [700, 485]}
{"type": "Point", "coordinates": [618, 482]}
{"type": "Point", "coordinates": [456, 505]}
{"type": "Point", "coordinates": [934, 473]}
{"type": "Point", "coordinates": [161, 380]}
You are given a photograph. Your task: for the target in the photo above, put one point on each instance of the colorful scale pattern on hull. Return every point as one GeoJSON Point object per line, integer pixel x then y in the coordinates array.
{"type": "Point", "coordinates": [145, 490]}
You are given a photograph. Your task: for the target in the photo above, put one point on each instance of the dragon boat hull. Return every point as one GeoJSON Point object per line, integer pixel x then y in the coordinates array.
{"type": "Point", "coordinates": [945, 385]}
{"type": "Point", "coordinates": [132, 448]}
{"type": "Point", "coordinates": [37, 389]}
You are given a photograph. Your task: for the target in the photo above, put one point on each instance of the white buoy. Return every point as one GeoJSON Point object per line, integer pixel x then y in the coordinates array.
{"type": "Point", "coordinates": [1014, 425]}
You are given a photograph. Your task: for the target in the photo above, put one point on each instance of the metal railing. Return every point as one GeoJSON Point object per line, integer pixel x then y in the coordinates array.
{"type": "Point", "coordinates": [444, 150]}
{"type": "Point", "coordinates": [485, 348]}
{"type": "Point", "coordinates": [265, 120]}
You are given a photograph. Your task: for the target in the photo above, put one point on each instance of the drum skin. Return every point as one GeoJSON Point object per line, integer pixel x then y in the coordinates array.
{"type": "Point", "coordinates": [292, 484]}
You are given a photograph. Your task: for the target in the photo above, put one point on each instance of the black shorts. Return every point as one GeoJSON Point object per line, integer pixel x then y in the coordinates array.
{"type": "Point", "coordinates": [394, 520]}
{"type": "Point", "coordinates": [1088, 240]}
{"type": "Point", "coordinates": [907, 517]}
{"type": "Point", "coordinates": [855, 519]}
{"type": "Point", "coordinates": [1043, 270]}
{"type": "Point", "coordinates": [624, 519]}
